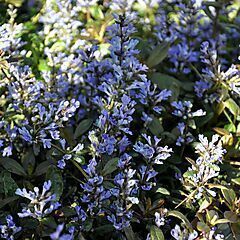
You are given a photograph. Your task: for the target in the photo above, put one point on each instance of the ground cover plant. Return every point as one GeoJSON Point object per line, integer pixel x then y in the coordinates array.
{"type": "Point", "coordinates": [119, 119]}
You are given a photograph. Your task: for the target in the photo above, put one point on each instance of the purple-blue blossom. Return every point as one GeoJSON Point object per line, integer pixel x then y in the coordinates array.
{"type": "Point", "coordinates": [152, 151]}
{"type": "Point", "coordinates": [94, 193]}
{"type": "Point", "coordinates": [58, 236]}
{"type": "Point", "coordinates": [147, 173]}
{"type": "Point", "coordinates": [10, 229]}
{"type": "Point", "coordinates": [41, 204]}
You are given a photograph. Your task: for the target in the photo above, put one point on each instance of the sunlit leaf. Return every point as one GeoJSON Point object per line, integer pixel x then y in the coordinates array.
{"type": "Point", "coordinates": [156, 233]}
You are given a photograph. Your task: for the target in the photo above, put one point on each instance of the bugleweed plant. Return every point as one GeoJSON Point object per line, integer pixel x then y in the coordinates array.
{"type": "Point", "coordinates": [119, 119]}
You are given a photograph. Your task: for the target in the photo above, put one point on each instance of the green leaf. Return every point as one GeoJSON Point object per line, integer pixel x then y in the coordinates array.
{"type": "Point", "coordinates": [82, 127]}
{"type": "Point", "coordinates": [36, 148]}
{"type": "Point", "coordinates": [28, 161]}
{"type": "Point", "coordinates": [221, 221]}
{"type": "Point", "coordinates": [230, 127]}
{"type": "Point", "coordinates": [187, 86]}
{"type": "Point", "coordinates": [68, 211]}
{"type": "Point", "coordinates": [108, 185]}
{"type": "Point", "coordinates": [213, 4]}
{"type": "Point", "coordinates": [156, 233]}
{"type": "Point", "coordinates": [16, 3]}
{"type": "Point", "coordinates": [163, 191]}
{"type": "Point", "coordinates": [58, 46]}
{"type": "Point", "coordinates": [8, 185]}
{"type": "Point", "coordinates": [54, 174]}
{"type": "Point", "coordinates": [180, 216]}
{"type": "Point", "coordinates": [43, 65]}
{"type": "Point", "coordinates": [110, 166]}
{"type": "Point", "coordinates": [229, 195]}
{"type": "Point", "coordinates": [8, 200]}
{"type": "Point", "coordinates": [67, 133]}
{"type": "Point", "coordinates": [143, 47]}
{"type": "Point", "coordinates": [49, 222]}
{"type": "Point", "coordinates": [236, 229]}
{"type": "Point", "coordinates": [189, 173]}
{"type": "Point", "coordinates": [155, 126]}
{"type": "Point", "coordinates": [88, 224]}
{"type": "Point", "coordinates": [219, 108]}
{"type": "Point", "coordinates": [158, 54]}
{"type": "Point", "coordinates": [211, 185]}
{"type": "Point", "coordinates": [96, 12]}
{"type": "Point", "coordinates": [175, 88]}
{"type": "Point", "coordinates": [232, 106]}
{"type": "Point", "coordinates": [231, 216]}
{"type": "Point", "coordinates": [105, 229]}
{"type": "Point", "coordinates": [205, 204]}
{"type": "Point", "coordinates": [211, 216]}
{"type": "Point", "coordinates": [129, 233]}
{"type": "Point", "coordinates": [236, 180]}
{"type": "Point", "coordinates": [12, 166]}
{"type": "Point", "coordinates": [164, 81]}
{"type": "Point", "coordinates": [42, 168]}
{"type": "Point", "coordinates": [221, 131]}
{"type": "Point", "coordinates": [203, 227]}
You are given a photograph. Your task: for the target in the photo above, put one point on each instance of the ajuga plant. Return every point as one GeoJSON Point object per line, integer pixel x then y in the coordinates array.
{"type": "Point", "coordinates": [119, 120]}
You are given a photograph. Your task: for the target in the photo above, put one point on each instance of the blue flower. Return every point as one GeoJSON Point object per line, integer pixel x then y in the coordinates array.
{"type": "Point", "coordinates": [7, 151]}
{"type": "Point", "coordinates": [108, 144]}
{"type": "Point", "coordinates": [61, 163]}
{"type": "Point", "coordinates": [202, 87]}
{"type": "Point", "coordinates": [25, 134]}
{"type": "Point", "coordinates": [151, 151]}
{"type": "Point", "coordinates": [57, 234]}
{"type": "Point", "coordinates": [41, 204]}
{"type": "Point", "coordinates": [94, 194]}
{"type": "Point", "coordinates": [144, 149]}
{"type": "Point", "coordinates": [81, 213]}
{"type": "Point", "coordinates": [121, 220]}
{"type": "Point", "coordinates": [124, 160]}
{"type": "Point", "coordinates": [8, 231]}
{"type": "Point", "coordinates": [147, 173]}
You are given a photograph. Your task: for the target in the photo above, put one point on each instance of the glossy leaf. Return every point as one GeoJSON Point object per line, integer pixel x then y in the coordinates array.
{"type": "Point", "coordinates": [110, 166]}
{"type": "Point", "coordinates": [231, 216]}
{"type": "Point", "coordinates": [156, 233]}
{"type": "Point", "coordinates": [229, 195]}
{"type": "Point", "coordinates": [12, 166]}
{"type": "Point", "coordinates": [180, 216]}
{"type": "Point", "coordinates": [158, 54]}
{"type": "Point", "coordinates": [155, 126]}
{"type": "Point", "coordinates": [28, 161]}
{"type": "Point", "coordinates": [232, 107]}
{"type": "Point", "coordinates": [54, 174]}
{"type": "Point", "coordinates": [163, 191]}
{"type": "Point", "coordinates": [42, 168]}
{"type": "Point", "coordinates": [7, 183]}
{"type": "Point", "coordinates": [82, 127]}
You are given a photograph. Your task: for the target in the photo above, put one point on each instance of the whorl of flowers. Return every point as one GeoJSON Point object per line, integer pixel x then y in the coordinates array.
{"type": "Point", "coordinates": [213, 75]}
{"type": "Point", "coordinates": [41, 204]}
{"type": "Point", "coordinates": [206, 167]}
